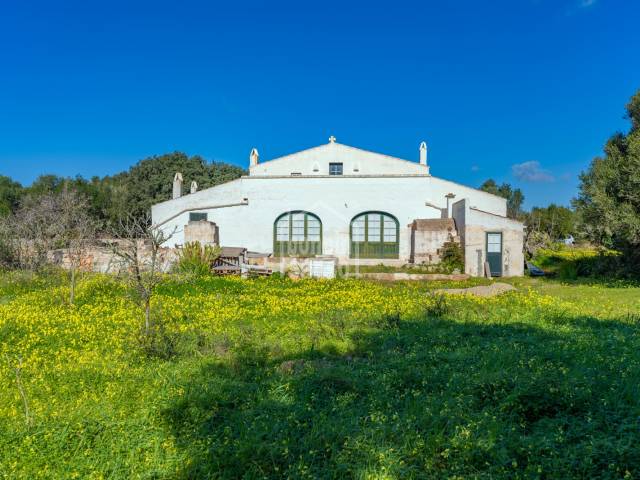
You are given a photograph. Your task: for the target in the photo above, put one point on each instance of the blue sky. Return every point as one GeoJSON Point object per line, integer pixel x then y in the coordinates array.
{"type": "Point", "coordinates": [524, 91]}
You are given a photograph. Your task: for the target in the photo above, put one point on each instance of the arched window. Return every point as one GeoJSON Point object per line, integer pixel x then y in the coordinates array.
{"type": "Point", "coordinates": [374, 235]}
{"type": "Point", "coordinates": [297, 234]}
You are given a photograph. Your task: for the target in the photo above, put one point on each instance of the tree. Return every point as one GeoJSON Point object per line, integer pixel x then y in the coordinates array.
{"type": "Point", "coordinates": [515, 197]}
{"type": "Point", "coordinates": [138, 246]}
{"type": "Point", "coordinates": [35, 230]}
{"type": "Point", "coordinates": [609, 198]}
{"type": "Point", "coordinates": [46, 184]}
{"type": "Point", "coordinates": [150, 180]}
{"type": "Point", "coordinates": [556, 221]}
{"type": "Point", "coordinates": [146, 183]}
{"type": "Point", "coordinates": [77, 231]}
{"type": "Point", "coordinates": [100, 194]}
{"type": "Point", "coordinates": [50, 221]}
{"type": "Point", "coordinates": [10, 194]}
{"type": "Point", "coordinates": [633, 111]}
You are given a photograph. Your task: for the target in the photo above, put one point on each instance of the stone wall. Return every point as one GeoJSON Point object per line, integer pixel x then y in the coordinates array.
{"type": "Point", "coordinates": [428, 236]}
{"type": "Point", "coordinates": [100, 257]}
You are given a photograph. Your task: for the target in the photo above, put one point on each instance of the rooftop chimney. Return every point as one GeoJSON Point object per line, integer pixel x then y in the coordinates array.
{"type": "Point", "coordinates": [423, 153]}
{"type": "Point", "coordinates": [194, 187]}
{"type": "Point", "coordinates": [254, 156]}
{"type": "Point", "coordinates": [177, 185]}
{"type": "Point", "coordinates": [449, 197]}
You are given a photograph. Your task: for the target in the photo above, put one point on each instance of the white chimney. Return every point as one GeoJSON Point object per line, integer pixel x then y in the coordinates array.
{"type": "Point", "coordinates": [449, 197]}
{"type": "Point", "coordinates": [254, 157]}
{"type": "Point", "coordinates": [194, 187]}
{"type": "Point", "coordinates": [177, 185]}
{"type": "Point", "coordinates": [423, 154]}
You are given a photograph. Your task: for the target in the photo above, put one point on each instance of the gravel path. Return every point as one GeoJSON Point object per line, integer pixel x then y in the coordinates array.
{"type": "Point", "coordinates": [482, 291]}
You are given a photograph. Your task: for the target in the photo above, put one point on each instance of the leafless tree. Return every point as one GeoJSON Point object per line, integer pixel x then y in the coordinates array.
{"type": "Point", "coordinates": [138, 245]}
{"type": "Point", "coordinates": [77, 232]}
{"type": "Point", "coordinates": [48, 222]}
{"type": "Point", "coordinates": [35, 230]}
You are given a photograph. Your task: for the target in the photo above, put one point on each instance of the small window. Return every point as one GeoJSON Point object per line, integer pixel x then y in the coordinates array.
{"type": "Point", "coordinates": [197, 216]}
{"type": "Point", "coordinates": [335, 169]}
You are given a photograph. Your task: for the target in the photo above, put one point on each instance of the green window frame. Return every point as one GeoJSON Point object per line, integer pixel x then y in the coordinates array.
{"type": "Point", "coordinates": [374, 235]}
{"type": "Point", "coordinates": [297, 234]}
{"type": "Point", "coordinates": [197, 216]}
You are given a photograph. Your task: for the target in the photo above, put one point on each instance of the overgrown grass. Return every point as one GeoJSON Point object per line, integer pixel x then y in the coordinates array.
{"type": "Point", "coordinates": [273, 378]}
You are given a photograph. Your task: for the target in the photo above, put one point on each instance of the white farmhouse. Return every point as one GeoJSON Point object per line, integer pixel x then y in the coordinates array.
{"type": "Point", "coordinates": [352, 204]}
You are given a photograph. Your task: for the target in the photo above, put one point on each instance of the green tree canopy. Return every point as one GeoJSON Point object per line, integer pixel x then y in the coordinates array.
{"type": "Point", "coordinates": [151, 180]}
{"type": "Point", "coordinates": [609, 197]}
{"type": "Point", "coordinates": [10, 194]}
{"type": "Point", "coordinates": [134, 191]}
{"type": "Point", "coordinates": [556, 221]}
{"type": "Point", "coordinates": [515, 197]}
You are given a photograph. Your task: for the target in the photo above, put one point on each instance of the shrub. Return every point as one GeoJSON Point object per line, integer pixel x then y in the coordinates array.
{"type": "Point", "coordinates": [196, 259]}
{"type": "Point", "coordinates": [451, 255]}
{"type": "Point", "coordinates": [536, 240]}
{"type": "Point", "coordinates": [8, 258]}
{"type": "Point", "coordinates": [570, 263]}
{"type": "Point", "coordinates": [568, 271]}
{"type": "Point", "coordinates": [8, 253]}
{"type": "Point", "coordinates": [390, 321]}
{"type": "Point", "coordinates": [159, 341]}
{"type": "Point", "coordinates": [438, 306]}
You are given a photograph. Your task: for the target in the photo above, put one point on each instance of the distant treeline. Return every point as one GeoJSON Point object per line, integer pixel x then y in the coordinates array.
{"type": "Point", "coordinates": [133, 191]}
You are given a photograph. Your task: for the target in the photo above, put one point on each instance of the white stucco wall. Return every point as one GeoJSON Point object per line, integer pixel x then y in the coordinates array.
{"type": "Point", "coordinates": [315, 161]}
{"type": "Point", "coordinates": [335, 200]}
{"type": "Point", "coordinates": [245, 209]}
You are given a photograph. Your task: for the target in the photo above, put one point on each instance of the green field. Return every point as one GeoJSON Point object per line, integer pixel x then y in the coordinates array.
{"type": "Point", "coordinates": [273, 378]}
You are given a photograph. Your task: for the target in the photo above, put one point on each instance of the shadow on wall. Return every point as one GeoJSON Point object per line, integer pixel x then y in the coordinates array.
{"type": "Point", "coordinates": [426, 398]}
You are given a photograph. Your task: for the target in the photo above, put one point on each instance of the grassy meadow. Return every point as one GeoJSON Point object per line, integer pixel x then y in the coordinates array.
{"type": "Point", "coordinates": [274, 378]}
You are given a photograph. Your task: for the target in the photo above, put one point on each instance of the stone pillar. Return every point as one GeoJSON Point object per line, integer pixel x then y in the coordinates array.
{"type": "Point", "coordinates": [423, 153]}
{"type": "Point", "coordinates": [449, 197]}
{"type": "Point", "coordinates": [177, 185]}
{"type": "Point", "coordinates": [254, 157]}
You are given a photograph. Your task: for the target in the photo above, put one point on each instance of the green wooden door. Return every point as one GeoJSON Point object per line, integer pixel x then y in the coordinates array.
{"type": "Point", "coordinates": [494, 253]}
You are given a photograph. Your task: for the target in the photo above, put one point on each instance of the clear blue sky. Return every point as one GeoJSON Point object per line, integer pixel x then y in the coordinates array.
{"type": "Point", "coordinates": [91, 87]}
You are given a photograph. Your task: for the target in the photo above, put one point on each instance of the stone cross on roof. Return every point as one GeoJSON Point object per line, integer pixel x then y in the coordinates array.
{"type": "Point", "coordinates": [332, 139]}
